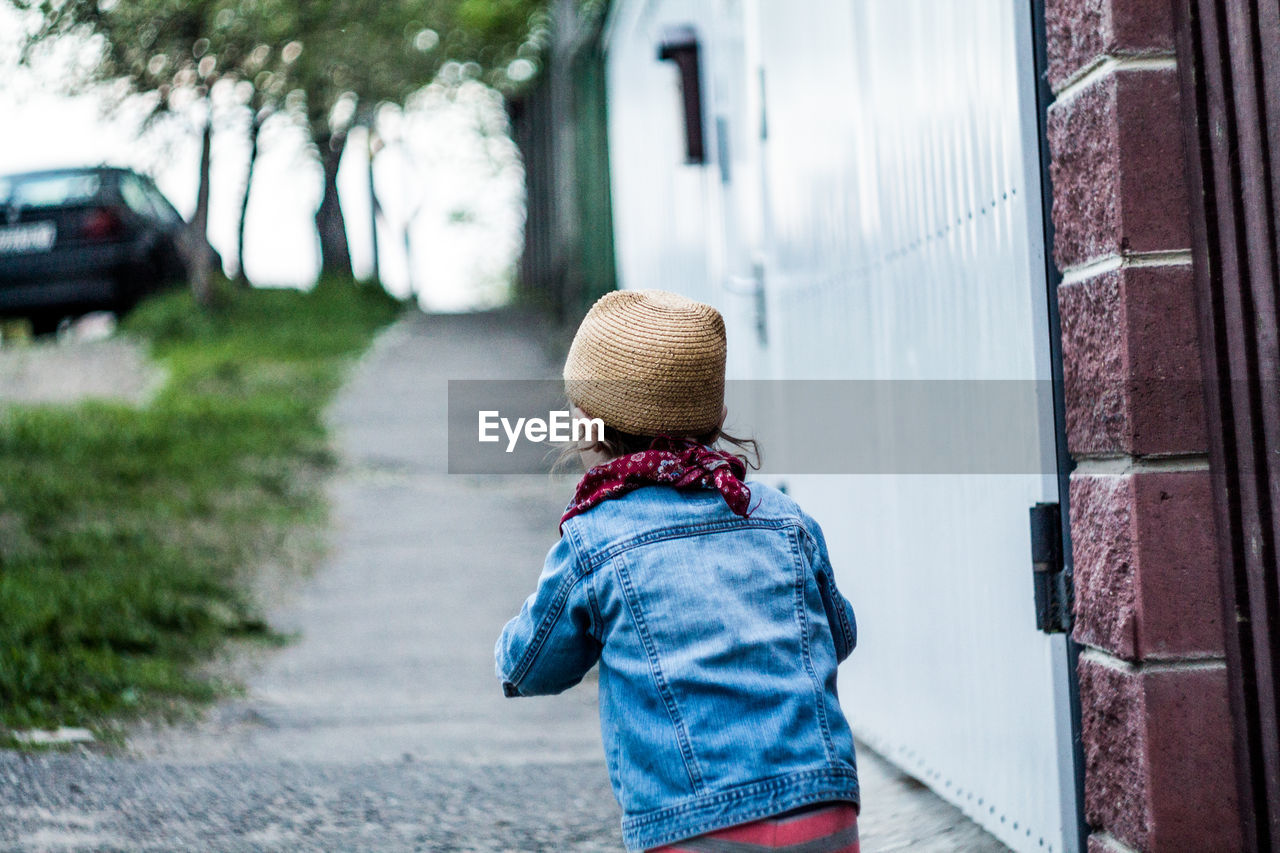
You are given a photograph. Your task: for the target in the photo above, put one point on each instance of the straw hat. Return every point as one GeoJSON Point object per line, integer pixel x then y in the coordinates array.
{"type": "Point", "coordinates": [649, 362]}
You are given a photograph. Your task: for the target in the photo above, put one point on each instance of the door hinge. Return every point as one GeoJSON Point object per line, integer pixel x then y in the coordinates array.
{"type": "Point", "coordinates": [1052, 587]}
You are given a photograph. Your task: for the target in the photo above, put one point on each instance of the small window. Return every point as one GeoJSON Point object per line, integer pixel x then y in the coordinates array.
{"type": "Point", "coordinates": [163, 208]}
{"type": "Point", "coordinates": [136, 197]}
{"type": "Point", "coordinates": [680, 45]}
{"type": "Point", "coordinates": [51, 190]}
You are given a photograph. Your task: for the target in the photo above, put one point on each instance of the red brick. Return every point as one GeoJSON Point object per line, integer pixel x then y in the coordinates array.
{"type": "Point", "coordinates": [1165, 393]}
{"type": "Point", "coordinates": [1153, 196]}
{"type": "Point", "coordinates": [1193, 779]}
{"type": "Point", "coordinates": [1116, 772]}
{"type": "Point", "coordinates": [1179, 596]}
{"type": "Point", "coordinates": [1082, 31]}
{"type": "Point", "coordinates": [1131, 363]}
{"type": "Point", "coordinates": [1102, 544]}
{"type": "Point", "coordinates": [1084, 141]}
{"type": "Point", "coordinates": [1146, 572]}
{"type": "Point", "coordinates": [1159, 773]}
{"type": "Point", "coordinates": [1118, 179]}
{"type": "Point", "coordinates": [1095, 365]}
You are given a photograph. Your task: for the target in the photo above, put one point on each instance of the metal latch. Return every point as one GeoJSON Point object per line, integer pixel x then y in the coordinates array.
{"type": "Point", "coordinates": [1052, 591]}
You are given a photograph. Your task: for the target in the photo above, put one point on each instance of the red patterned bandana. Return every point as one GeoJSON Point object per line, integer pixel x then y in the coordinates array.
{"type": "Point", "coordinates": [683, 464]}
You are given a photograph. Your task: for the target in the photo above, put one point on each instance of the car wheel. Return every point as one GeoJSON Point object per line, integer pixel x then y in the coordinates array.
{"type": "Point", "coordinates": [135, 283]}
{"type": "Point", "coordinates": [126, 297]}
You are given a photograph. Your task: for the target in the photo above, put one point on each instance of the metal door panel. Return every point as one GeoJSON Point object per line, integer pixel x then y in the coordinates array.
{"type": "Point", "coordinates": [658, 201]}
{"type": "Point", "coordinates": [894, 208]}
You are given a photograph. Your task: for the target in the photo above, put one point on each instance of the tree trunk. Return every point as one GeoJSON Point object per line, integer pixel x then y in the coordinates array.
{"type": "Point", "coordinates": [374, 208]}
{"type": "Point", "coordinates": [255, 127]}
{"type": "Point", "coordinates": [335, 255]}
{"type": "Point", "coordinates": [200, 253]}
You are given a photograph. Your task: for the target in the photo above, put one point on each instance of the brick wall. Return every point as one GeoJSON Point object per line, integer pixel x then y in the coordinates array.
{"type": "Point", "coordinates": [1153, 681]}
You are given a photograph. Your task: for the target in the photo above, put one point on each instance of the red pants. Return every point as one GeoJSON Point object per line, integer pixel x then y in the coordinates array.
{"type": "Point", "coordinates": [829, 829]}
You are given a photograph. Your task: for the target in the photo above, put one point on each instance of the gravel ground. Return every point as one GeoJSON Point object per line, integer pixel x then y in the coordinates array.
{"type": "Point", "coordinates": [62, 802]}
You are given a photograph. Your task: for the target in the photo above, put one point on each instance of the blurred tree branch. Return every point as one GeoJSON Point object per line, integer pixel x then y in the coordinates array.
{"type": "Point", "coordinates": [325, 65]}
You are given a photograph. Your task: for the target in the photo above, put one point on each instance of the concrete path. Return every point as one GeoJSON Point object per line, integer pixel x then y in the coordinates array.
{"type": "Point", "coordinates": [382, 727]}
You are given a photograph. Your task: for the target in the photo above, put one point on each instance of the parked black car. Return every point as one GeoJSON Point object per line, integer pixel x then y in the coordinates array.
{"type": "Point", "coordinates": [86, 239]}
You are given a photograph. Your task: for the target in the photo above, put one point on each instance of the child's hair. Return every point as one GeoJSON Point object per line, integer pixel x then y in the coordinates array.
{"type": "Point", "coordinates": [619, 443]}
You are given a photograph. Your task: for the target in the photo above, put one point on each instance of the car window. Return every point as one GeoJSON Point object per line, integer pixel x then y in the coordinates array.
{"type": "Point", "coordinates": [135, 197]}
{"type": "Point", "coordinates": [163, 208]}
{"type": "Point", "coordinates": [49, 190]}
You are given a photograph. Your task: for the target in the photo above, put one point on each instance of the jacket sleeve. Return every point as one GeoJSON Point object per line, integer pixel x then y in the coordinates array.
{"type": "Point", "coordinates": [844, 627]}
{"type": "Point", "coordinates": [553, 642]}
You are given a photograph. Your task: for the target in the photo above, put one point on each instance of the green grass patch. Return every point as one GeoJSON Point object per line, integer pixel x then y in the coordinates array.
{"type": "Point", "coordinates": [126, 534]}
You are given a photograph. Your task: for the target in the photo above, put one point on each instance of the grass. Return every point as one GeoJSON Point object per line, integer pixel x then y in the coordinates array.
{"type": "Point", "coordinates": [126, 533]}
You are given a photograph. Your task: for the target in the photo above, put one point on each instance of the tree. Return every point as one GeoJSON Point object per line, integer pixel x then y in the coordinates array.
{"type": "Point", "coordinates": [355, 55]}
{"type": "Point", "coordinates": [171, 53]}
{"type": "Point", "coordinates": [265, 77]}
{"type": "Point", "coordinates": [335, 62]}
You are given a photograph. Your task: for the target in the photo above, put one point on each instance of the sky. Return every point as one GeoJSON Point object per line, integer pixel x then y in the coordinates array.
{"type": "Point", "coordinates": [445, 170]}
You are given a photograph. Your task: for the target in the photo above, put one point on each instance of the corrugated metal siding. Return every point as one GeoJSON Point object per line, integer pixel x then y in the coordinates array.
{"type": "Point", "coordinates": [664, 213]}
{"type": "Point", "coordinates": [912, 181]}
{"type": "Point", "coordinates": [881, 169]}
{"type": "Point", "coordinates": [908, 246]}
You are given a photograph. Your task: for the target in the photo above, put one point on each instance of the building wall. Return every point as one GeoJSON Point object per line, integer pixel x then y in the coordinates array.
{"type": "Point", "coordinates": [1153, 679]}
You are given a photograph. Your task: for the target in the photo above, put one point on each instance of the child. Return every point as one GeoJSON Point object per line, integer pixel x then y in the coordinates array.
{"type": "Point", "coordinates": [709, 605]}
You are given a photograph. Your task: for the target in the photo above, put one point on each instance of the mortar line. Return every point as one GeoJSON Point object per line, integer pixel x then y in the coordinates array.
{"type": "Point", "coordinates": [1106, 66]}
{"type": "Point", "coordinates": [1119, 664]}
{"type": "Point", "coordinates": [1121, 465]}
{"type": "Point", "coordinates": [1114, 843]}
{"type": "Point", "coordinates": [1127, 260]}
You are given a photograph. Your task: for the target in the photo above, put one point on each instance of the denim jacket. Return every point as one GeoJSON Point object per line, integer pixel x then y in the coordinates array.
{"type": "Point", "coordinates": [718, 639]}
